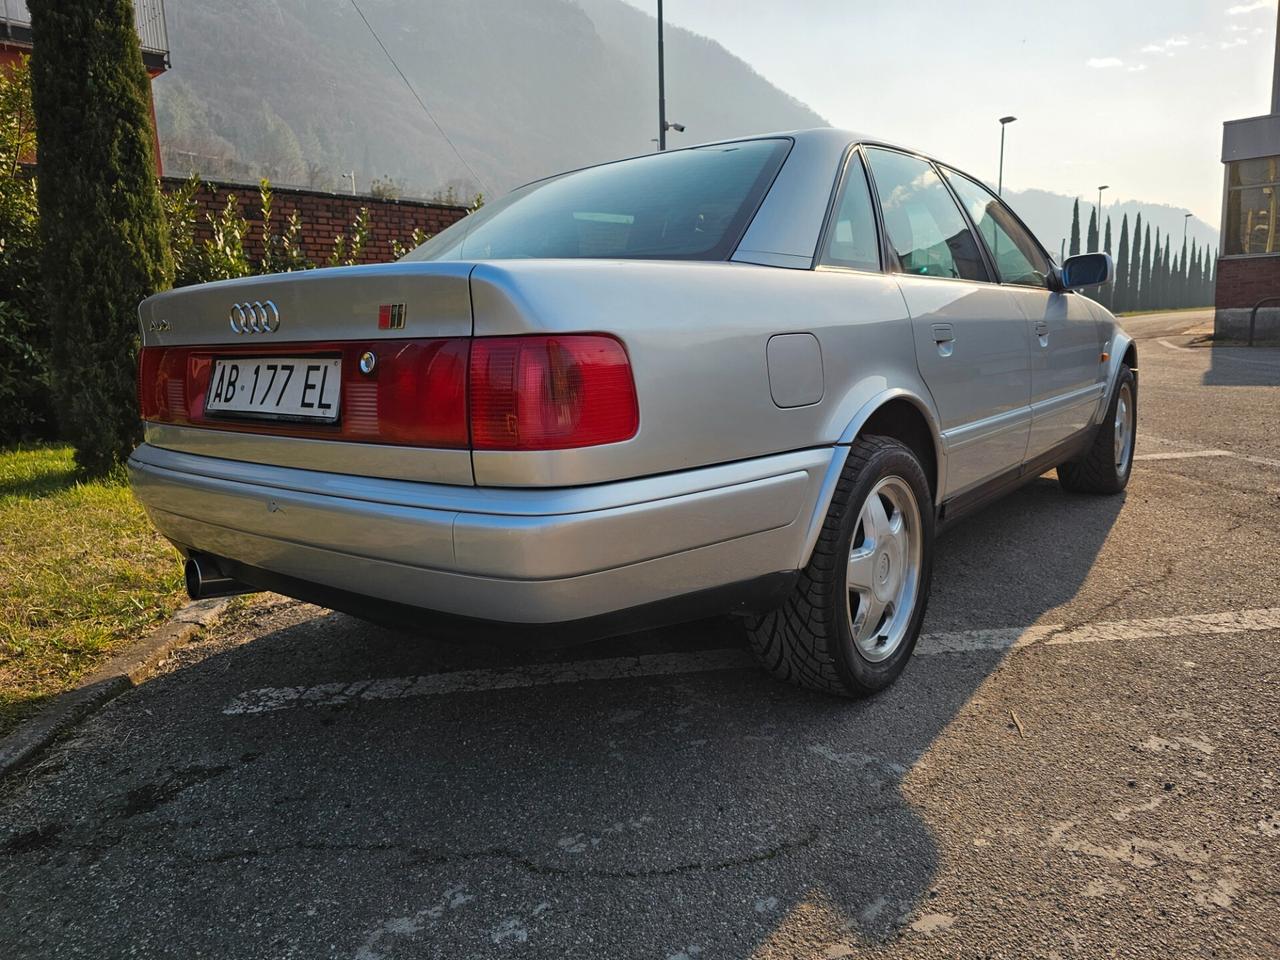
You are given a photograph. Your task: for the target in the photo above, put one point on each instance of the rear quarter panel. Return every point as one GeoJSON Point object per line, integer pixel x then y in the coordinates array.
{"type": "Point", "coordinates": [697, 336]}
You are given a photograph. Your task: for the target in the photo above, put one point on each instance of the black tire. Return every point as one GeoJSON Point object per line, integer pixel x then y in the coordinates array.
{"type": "Point", "coordinates": [808, 640]}
{"type": "Point", "coordinates": [1097, 471]}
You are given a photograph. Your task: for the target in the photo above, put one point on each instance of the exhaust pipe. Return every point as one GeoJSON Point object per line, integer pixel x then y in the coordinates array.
{"type": "Point", "coordinates": [205, 580]}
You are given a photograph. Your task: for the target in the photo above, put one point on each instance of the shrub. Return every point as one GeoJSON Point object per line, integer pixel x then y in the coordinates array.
{"type": "Point", "coordinates": [24, 343]}
{"type": "Point", "coordinates": [101, 219]}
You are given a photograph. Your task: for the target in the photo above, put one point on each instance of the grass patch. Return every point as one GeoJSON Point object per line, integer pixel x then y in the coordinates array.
{"type": "Point", "coordinates": [82, 574]}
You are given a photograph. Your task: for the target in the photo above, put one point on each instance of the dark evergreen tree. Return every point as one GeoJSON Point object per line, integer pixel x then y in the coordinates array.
{"type": "Point", "coordinates": [1108, 293]}
{"type": "Point", "coordinates": [1093, 232]}
{"type": "Point", "coordinates": [1146, 297]}
{"type": "Point", "coordinates": [1183, 282]}
{"type": "Point", "coordinates": [1166, 275]}
{"type": "Point", "coordinates": [1120, 301]}
{"type": "Point", "coordinates": [1135, 267]}
{"type": "Point", "coordinates": [1074, 248]}
{"type": "Point", "coordinates": [1193, 277]}
{"type": "Point", "coordinates": [103, 226]}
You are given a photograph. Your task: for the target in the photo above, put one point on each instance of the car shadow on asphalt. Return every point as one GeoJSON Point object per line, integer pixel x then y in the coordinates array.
{"type": "Point", "coordinates": [655, 816]}
{"type": "Point", "coordinates": [1239, 366]}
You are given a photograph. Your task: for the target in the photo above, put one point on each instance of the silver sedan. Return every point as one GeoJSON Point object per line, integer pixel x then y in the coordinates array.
{"type": "Point", "coordinates": [753, 377]}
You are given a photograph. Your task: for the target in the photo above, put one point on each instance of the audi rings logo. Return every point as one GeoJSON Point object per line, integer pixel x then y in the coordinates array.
{"type": "Point", "coordinates": [261, 316]}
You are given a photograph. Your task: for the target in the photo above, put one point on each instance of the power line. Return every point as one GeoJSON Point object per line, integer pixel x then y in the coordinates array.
{"type": "Point", "coordinates": [425, 109]}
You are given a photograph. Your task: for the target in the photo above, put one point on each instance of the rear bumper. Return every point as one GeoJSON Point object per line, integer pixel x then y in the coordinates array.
{"type": "Point", "coordinates": [521, 556]}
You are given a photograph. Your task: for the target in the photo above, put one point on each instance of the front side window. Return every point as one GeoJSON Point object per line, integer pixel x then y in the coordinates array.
{"type": "Point", "coordinates": [1252, 187]}
{"type": "Point", "coordinates": [1017, 257]}
{"type": "Point", "coordinates": [926, 229]}
{"type": "Point", "coordinates": [852, 240]}
{"type": "Point", "coordinates": [684, 205]}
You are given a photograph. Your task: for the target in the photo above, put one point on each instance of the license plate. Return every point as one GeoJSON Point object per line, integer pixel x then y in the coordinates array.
{"type": "Point", "coordinates": [276, 388]}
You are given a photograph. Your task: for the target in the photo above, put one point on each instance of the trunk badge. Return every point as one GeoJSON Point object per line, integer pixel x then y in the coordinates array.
{"type": "Point", "coordinates": [391, 316]}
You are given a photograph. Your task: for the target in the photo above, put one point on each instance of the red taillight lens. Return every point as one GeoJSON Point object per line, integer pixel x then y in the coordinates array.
{"type": "Point", "coordinates": [422, 394]}
{"type": "Point", "coordinates": [496, 393]}
{"type": "Point", "coordinates": [162, 384]}
{"type": "Point", "coordinates": [551, 392]}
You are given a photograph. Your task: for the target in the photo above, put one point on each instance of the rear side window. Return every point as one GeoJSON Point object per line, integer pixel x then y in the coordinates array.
{"type": "Point", "coordinates": [926, 229]}
{"type": "Point", "coordinates": [1017, 256]}
{"type": "Point", "coordinates": [852, 240]}
{"type": "Point", "coordinates": [683, 205]}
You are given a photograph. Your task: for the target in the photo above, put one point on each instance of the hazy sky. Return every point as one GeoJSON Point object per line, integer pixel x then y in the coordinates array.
{"type": "Point", "coordinates": [1127, 92]}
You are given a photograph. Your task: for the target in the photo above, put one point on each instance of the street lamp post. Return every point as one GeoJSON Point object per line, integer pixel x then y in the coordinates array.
{"type": "Point", "coordinates": [1105, 186]}
{"type": "Point", "coordinates": [1185, 218]}
{"type": "Point", "coordinates": [1004, 121]}
{"type": "Point", "coordinates": [662, 88]}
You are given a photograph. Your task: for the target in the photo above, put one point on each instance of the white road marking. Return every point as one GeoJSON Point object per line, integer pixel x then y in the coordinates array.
{"type": "Point", "coordinates": [1219, 353]}
{"type": "Point", "coordinates": [1184, 455]}
{"type": "Point", "coordinates": [668, 664]}
{"type": "Point", "coordinates": [1190, 450]}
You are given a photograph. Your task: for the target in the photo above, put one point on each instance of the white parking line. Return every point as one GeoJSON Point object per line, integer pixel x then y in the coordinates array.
{"type": "Point", "coordinates": [1189, 450]}
{"type": "Point", "coordinates": [667, 664]}
{"type": "Point", "coordinates": [1184, 455]}
{"type": "Point", "coordinates": [1219, 353]}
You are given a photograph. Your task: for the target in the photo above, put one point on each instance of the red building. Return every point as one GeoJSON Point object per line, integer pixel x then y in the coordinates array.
{"type": "Point", "coordinates": [15, 40]}
{"type": "Point", "coordinates": [1249, 261]}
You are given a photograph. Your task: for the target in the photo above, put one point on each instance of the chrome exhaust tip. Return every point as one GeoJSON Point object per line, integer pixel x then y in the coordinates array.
{"type": "Point", "coordinates": [204, 579]}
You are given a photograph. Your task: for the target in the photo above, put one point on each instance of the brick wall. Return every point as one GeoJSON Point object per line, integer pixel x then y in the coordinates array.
{"type": "Point", "coordinates": [324, 216]}
{"type": "Point", "coordinates": [1242, 282]}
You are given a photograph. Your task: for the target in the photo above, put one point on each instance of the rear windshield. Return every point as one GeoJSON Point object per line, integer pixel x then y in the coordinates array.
{"type": "Point", "coordinates": [684, 205]}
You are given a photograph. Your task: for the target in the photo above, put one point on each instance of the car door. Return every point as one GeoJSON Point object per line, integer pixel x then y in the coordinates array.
{"type": "Point", "coordinates": [1067, 374]}
{"type": "Point", "coordinates": [972, 342]}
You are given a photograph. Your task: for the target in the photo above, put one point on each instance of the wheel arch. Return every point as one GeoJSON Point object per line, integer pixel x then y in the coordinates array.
{"type": "Point", "coordinates": [896, 413]}
{"type": "Point", "coordinates": [1124, 352]}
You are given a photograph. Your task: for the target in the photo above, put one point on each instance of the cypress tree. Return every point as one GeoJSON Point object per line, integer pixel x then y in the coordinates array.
{"type": "Point", "coordinates": [1135, 267]}
{"type": "Point", "coordinates": [1184, 276]}
{"type": "Point", "coordinates": [1109, 291]}
{"type": "Point", "coordinates": [1146, 299]}
{"type": "Point", "coordinates": [1166, 268]}
{"type": "Point", "coordinates": [102, 223]}
{"type": "Point", "coordinates": [1121, 299]}
{"type": "Point", "coordinates": [1074, 248]}
{"type": "Point", "coordinates": [1157, 276]}
{"type": "Point", "coordinates": [1093, 231]}
{"type": "Point", "coordinates": [1193, 277]}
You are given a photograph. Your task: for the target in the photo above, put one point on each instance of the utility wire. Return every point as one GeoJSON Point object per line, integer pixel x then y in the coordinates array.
{"type": "Point", "coordinates": [425, 109]}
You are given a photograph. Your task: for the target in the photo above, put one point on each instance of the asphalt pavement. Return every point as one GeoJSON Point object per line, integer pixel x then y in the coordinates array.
{"type": "Point", "coordinates": [1081, 761]}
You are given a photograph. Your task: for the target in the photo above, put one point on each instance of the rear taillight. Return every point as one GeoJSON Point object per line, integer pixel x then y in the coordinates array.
{"type": "Point", "coordinates": [551, 392]}
{"type": "Point", "coordinates": [421, 394]}
{"type": "Point", "coordinates": [494, 393]}
{"type": "Point", "coordinates": [162, 384]}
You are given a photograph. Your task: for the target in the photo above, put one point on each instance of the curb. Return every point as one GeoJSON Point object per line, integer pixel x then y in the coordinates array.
{"type": "Point", "coordinates": [106, 683]}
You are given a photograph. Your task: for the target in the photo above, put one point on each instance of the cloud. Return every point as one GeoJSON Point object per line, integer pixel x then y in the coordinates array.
{"type": "Point", "coordinates": [1242, 8]}
{"type": "Point", "coordinates": [1168, 47]}
{"type": "Point", "coordinates": [1228, 44]}
{"type": "Point", "coordinates": [1104, 63]}
{"type": "Point", "coordinates": [1137, 68]}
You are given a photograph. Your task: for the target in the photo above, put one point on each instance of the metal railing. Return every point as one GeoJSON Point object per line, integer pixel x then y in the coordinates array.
{"type": "Point", "coordinates": [1253, 314]}
{"type": "Point", "coordinates": [148, 17]}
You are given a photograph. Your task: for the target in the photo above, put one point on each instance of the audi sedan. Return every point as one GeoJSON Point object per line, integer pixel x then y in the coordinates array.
{"type": "Point", "coordinates": [753, 377]}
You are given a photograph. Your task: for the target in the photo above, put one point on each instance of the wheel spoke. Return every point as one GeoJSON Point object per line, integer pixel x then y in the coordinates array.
{"type": "Point", "coordinates": [870, 613]}
{"type": "Point", "coordinates": [861, 568]}
{"type": "Point", "coordinates": [875, 518]}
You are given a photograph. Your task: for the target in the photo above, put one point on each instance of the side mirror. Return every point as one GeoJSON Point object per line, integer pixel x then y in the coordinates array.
{"type": "Point", "coordinates": [1087, 270]}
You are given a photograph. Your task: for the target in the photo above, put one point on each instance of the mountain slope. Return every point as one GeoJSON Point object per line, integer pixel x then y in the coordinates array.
{"type": "Point", "coordinates": [298, 90]}
{"type": "Point", "coordinates": [1049, 217]}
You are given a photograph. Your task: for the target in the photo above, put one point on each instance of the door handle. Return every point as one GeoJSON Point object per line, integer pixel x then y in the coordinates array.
{"type": "Point", "coordinates": [943, 333]}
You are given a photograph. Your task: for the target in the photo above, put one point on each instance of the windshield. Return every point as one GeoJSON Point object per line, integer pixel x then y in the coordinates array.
{"type": "Point", "coordinates": [684, 205]}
